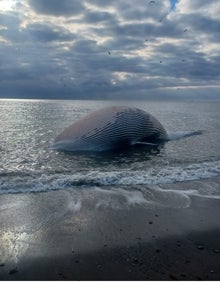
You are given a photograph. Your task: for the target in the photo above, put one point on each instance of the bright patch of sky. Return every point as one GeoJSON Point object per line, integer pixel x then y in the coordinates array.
{"type": "Point", "coordinates": [173, 4]}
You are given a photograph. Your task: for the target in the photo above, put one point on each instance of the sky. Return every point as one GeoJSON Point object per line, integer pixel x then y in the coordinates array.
{"type": "Point", "coordinates": [101, 49]}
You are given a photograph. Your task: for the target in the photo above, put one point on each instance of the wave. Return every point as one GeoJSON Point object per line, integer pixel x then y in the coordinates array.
{"type": "Point", "coordinates": [38, 182]}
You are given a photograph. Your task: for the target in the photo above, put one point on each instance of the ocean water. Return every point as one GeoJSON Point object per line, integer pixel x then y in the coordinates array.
{"type": "Point", "coordinates": [28, 163]}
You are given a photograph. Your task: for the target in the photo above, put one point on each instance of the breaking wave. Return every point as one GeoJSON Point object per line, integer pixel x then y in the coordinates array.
{"type": "Point", "coordinates": [38, 182]}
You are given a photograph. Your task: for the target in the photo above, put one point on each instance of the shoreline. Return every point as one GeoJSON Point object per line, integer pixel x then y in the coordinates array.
{"type": "Point", "coordinates": [53, 236]}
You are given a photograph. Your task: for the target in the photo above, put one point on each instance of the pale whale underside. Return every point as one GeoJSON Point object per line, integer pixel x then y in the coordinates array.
{"type": "Point", "coordinates": [111, 128]}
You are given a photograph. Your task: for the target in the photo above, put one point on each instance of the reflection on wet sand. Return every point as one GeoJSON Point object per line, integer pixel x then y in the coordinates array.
{"type": "Point", "coordinates": [79, 231]}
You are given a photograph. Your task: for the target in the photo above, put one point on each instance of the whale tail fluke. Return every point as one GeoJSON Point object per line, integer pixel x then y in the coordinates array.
{"type": "Point", "coordinates": [182, 134]}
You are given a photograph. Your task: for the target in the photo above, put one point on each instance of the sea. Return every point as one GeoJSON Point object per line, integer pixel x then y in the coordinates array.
{"type": "Point", "coordinates": [28, 163]}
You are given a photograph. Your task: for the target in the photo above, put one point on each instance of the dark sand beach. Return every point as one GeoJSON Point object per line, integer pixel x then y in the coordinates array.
{"type": "Point", "coordinates": [52, 236]}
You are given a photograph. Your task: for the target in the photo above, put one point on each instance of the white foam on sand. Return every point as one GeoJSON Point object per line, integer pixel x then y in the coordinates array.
{"type": "Point", "coordinates": [74, 206]}
{"type": "Point", "coordinates": [122, 198]}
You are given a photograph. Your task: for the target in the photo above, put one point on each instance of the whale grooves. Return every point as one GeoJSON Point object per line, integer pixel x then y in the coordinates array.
{"type": "Point", "coordinates": [111, 128]}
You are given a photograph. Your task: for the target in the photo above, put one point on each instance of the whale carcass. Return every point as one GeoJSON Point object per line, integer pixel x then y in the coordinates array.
{"type": "Point", "coordinates": [111, 128]}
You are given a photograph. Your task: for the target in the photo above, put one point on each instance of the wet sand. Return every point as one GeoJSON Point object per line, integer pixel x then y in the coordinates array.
{"type": "Point", "coordinates": [52, 236]}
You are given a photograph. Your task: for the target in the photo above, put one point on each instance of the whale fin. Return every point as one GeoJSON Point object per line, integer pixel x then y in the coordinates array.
{"type": "Point", "coordinates": [182, 134]}
{"type": "Point", "coordinates": [144, 143]}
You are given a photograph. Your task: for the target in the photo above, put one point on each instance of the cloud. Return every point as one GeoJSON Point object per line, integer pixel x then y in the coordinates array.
{"type": "Point", "coordinates": [56, 7]}
{"type": "Point", "coordinates": [109, 49]}
{"type": "Point", "coordinates": [97, 17]}
{"type": "Point", "coordinates": [45, 33]}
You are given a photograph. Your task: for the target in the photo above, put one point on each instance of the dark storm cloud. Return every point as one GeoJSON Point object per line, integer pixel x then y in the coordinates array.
{"type": "Point", "coordinates": [57, 7]}
{"type": "Point", "coordinates": [104, 49]}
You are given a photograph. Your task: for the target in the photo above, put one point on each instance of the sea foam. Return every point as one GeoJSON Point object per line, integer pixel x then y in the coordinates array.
{"type": "Point", "coordinates": [39, 182]}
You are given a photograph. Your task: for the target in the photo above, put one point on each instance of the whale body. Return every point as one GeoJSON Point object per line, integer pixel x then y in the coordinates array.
{"type": "Point", "coordinates": [111, 128]}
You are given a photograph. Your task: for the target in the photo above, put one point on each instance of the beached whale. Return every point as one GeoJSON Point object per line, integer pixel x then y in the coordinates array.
{"type": "Point", "coordinates": [111, 128]}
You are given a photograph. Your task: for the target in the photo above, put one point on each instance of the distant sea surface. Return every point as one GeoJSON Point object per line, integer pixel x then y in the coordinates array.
{"type": "Point", "coordinates": [28, 163]}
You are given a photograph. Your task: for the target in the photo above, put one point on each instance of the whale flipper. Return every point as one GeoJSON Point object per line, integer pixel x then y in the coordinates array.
{"type": "Point", "coordinates": [144, 143]}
